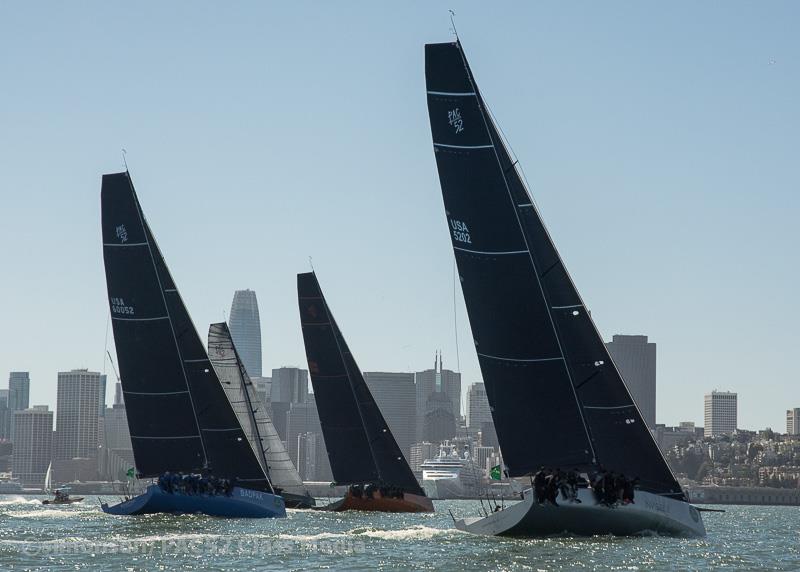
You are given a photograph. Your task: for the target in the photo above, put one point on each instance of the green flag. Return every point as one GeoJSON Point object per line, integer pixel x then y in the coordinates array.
{"type": "Point", "coordinates": [494, 473]}
{"type": "Point", "coordinates": [130, 473]}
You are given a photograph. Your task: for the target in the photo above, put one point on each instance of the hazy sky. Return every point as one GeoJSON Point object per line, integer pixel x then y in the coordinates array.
{"type": "Point", "coordinates": [660, 141]}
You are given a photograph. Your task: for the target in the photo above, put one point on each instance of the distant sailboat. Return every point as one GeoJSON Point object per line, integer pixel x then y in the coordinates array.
{"type": "Point", "coordinates": [179, 416]}
{"type": "Point", "coordinates": [556, 397]}
{"type": "Point", "coordinates": [255, 419]}
{"type": "Point", "coordinates": [61, 497]}
{"type": "Point", "coordinates": [48, 478]}
{"type": "Point", "coordinates": [361, 448]}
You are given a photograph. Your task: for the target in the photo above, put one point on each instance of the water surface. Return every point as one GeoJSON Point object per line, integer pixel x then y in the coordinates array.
{"type": "Point", "coordinates": [81, 537]}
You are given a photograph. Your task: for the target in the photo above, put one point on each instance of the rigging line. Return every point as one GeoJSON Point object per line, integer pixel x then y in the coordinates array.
{"type": "Point", "coordinates": [124, 159]}
{"type": "Point", "coordinates": [455, 314]}
{"type": "Point", "coordinates": [108, 321]}
{"type": "Point", "coordinates": [453, 23]}
{"type": "Point", "coordinates": [516, 165]}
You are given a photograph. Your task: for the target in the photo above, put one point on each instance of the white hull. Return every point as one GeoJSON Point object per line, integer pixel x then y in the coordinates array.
{"type": "Point", "coordinates": [441, 489]}
{"type": "Point", "coordinates": [649, 514]}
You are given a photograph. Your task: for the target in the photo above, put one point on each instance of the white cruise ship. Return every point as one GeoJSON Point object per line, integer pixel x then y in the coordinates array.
{"type": "Point", "coordinates": [450, 476]}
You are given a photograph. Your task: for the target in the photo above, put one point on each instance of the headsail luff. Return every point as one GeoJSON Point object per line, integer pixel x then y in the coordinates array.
{"type": "Point", "coordinates": [252, 414]}
{"type": "Point", "coordinates": [361, 448]}
{"type": "Point", "coordinates": [178, 414]}
{"type": "Point", "coordinates": [557, 399]}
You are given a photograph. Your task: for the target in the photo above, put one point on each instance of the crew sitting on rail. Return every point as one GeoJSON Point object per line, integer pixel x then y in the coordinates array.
{"type": "Point", "coordinates": [192, 484]}
{"type": "Point", "coordinates": [612, 488]}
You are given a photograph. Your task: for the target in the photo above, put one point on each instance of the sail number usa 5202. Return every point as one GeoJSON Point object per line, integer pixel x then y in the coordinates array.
{"type": "Point", "coordinates": [118, 306]}
{"type": "Point", "coordinates": [460, 231]}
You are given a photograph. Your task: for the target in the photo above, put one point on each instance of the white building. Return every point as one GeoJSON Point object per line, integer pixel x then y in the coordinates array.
{"type": "Point", "coordinates": [793, 421]}
{"type": "Point", "coordinates": [720, 413]}
{"type": "Point", "coordinates": [33, 431]}
{"type": "Point", "coordinates": [80, 396]}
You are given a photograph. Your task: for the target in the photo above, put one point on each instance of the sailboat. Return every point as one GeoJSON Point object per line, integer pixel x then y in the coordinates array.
{"type": "Point", "coordinates": [556, 397]}
{"type": "Point", "coordinates": [362, 450]}
{"type": "Point", "coordinates": [179, 416]}
{"type": "Point", "coordinates": [255, 419]}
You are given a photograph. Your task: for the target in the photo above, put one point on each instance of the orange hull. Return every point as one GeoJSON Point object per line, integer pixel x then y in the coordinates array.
{"type": "Point", "coordinates": [378, 503]}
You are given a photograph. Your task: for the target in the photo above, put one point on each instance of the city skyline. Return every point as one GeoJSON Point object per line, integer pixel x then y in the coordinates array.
{"type": "Point", "coordinates": [644, 155]}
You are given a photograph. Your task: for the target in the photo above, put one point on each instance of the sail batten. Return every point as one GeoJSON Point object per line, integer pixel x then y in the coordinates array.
{"type": "Point", "coordinates": [361, 448]}
{"type": "Point", "coordinates": [527, 305]}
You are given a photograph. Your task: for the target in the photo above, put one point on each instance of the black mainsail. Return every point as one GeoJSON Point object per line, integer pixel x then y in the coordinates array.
{"type": "Point", "coordinates": [557, 398]}
{"type": "Point", "coordinates": [361, 448]}
{"type": "Point", "coordinates": [178, 414]}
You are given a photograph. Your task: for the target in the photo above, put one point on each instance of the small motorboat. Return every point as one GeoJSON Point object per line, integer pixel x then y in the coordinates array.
{"type": "Point", "coordinates": [63, 500]}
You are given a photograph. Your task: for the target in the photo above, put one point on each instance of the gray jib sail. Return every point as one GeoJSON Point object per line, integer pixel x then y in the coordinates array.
{"type": "Point", "coordinates": [178, 414]}
{"type": "Point", "coordinates": [252, 413]}
{"type": "Point", "coordinates": [557, 399]}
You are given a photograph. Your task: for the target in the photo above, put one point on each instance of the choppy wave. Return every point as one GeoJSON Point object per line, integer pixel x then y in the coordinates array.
{"type": "Point", "coordinates": [313, 537]}
{"type": "Point", "coordinates": [45, 513]}
{"type": "Point", "coordinates": [9, 501]}
{"type": "Point", "coordinates": [413, 533]}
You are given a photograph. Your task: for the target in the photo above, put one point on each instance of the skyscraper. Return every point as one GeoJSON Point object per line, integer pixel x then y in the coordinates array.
{"type": "Point", "coordinates": [78, 413]}
{"type": "Point", "coordinates": [635, 358]}
{"type": "Point", "coordinates": [793, 421]}
{"type": "Point", "coordinates": [5, 416]}
{"type": "Point", "coordinates": [32, 450]}
{"type": "Point", "coordinates": [19, 391]}
{"type": "Point", "coordinates": [438, 403]}
{"type": "Point", "coordinates": [302, 420]}
{"type": "Point", "coordinates": [245, 327]}
{"type": "Point", "coordinates": [478, 411]}
{"type": "Point", "coordinates": [720, 413]}
{"type": "Point", "coordinates": [396, 396]}
{"type": "Point", "coordinates": [289, 385]}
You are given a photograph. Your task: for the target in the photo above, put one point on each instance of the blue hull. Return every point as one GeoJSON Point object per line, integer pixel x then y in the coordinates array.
{"type": "Point", "coordinates": [243, 503]}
